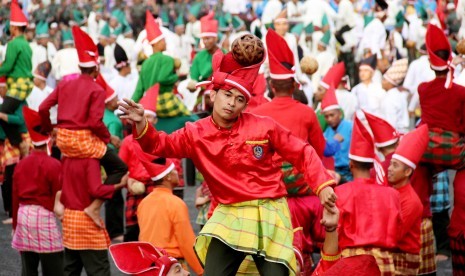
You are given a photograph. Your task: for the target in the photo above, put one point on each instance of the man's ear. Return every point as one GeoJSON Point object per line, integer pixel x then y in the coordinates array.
{"type": "Point", "coordinates": [213, 95]}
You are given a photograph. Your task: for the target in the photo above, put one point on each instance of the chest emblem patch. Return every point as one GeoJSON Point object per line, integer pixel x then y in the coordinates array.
{"type": "Point", "coordinates": [258, 151]}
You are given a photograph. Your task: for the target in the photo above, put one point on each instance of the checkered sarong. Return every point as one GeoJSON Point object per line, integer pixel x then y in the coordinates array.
{"type": "Point", "coordinates": [10, 154]}
{"type": "Point", "coordinates": [446, 149]}
{"type": "Point", "coordinates": [168, 105]}
{"type": "Point", "coordinates": [384, 258]}
{"type": "Point", "coordinates": [261, 226]}
{"type": "Point", "coordinates": [36, 230]}
{"type": "Point", "coordinates": [81, 233]}
{"type": "Point", "coordinates": [427, 253]}
{"type": "Point", "coordinates": [19, 88]}
{"type": "Point", "coordinates": [80, 144]}
{"type": "Point", "coordinates": [457, 246]}
{"type": "Point", "coordinates": [406, 263]}
{"type": "Point", "coordinates": [294, 180]}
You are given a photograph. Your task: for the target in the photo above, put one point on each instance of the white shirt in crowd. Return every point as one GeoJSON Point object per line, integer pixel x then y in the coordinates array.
{"type": "Point", "coordinates": [395, 110]}
{"type": "Point", "coordinates": [37, 96]}
{"type": "Point", "coordinates": [418, 71]}
{"type": "Point", "coordinates": [65, 63]}
{"type": "Point", "coordinates": [348, 102]}
{"type": "Point", "coordinates": [370, 97]}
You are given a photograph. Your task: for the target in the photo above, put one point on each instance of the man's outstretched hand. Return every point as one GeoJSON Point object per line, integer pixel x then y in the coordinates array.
{"type": "Point", "coordinates": [133, 111]}
{"type": "Point", "coordinates": [328, 199]}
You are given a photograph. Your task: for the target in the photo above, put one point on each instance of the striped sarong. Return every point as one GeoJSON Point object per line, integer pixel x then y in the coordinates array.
{"type": "Point", "coordinates": [446, 149]}
{"type": "Point", "coordinates": [384, 258]}
{"type": "Point", "coordinates": [457, 246]}
{"type": "Point", "coordinates": [294, 180]}
{"type": "Point", "coordinates": [80, 144]}
{"type": "Point", "coordinates": [406, 263]}
{"type": "Point", "coordinates": [427, 253]}
{"type": "Point", "coordinates": [81, 233]}
{"type": "Point", "coordinates": [36, 230]}
{"type": "Point", "coordinates": [19, 88]}
{"type": "Point", "coordinates": [262, 227]}
{"type": "Point", "coordinates": [168, 105]}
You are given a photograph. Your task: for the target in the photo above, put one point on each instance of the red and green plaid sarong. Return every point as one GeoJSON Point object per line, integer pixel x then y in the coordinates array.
{"type": "Point", "coordinates": [294, 181]}
{"type": "Point", "coordinates": [446, 149]}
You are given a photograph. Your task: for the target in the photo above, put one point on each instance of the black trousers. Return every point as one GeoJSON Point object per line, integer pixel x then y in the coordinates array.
{"type": "Point", "coordinates": [7, 189]}
{"type": "Point", "coordinates": [95, 262]}
{"type": "Point", "coordinates": [9, 106]}
{"type": "Point", "coordinates": [115, 169]}
{"type": "Point", "coordinates": [222, 260]}
{"type": "Point", "coordinates": [132, 233]}
{"type": "Point", "coordinates": [51, 263]}
{"type": "Point", "coordinates": [441, 222]}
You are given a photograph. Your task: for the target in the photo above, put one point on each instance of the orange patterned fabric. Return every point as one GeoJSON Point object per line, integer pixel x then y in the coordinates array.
{"type": "Point", "coordinates": [81, 233]}
{"type": "Point", "coordinates": [80, 144]}
{"type": "Point", "coordinates": [10, 154]}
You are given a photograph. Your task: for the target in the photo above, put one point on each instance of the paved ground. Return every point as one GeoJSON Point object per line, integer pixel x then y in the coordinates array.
{"type": "Point", "coordinates": [10, 264]}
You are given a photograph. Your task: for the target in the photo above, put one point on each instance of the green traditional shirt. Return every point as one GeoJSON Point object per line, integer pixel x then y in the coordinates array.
{"type": "Point", "coordinates": [158, 68]}
{"type": "Point", "coordinates": [201, 68]}
{"type": "Point", "coordinates": [114, 125]}
{"type": "Point", "coordinates": [170, 125]}
{"type": "Point", "coordinates": [18, 59]}
{"type": "Point", "coordinates": [17, 119]}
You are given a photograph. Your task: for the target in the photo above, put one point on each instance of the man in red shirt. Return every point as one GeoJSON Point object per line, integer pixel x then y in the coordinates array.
{"type": "Point", "coordinates": [403, 163]}
{"type": "Point", "coordinates": [234, 152]}
{"type": "Point", "coordinates": [370, 220]}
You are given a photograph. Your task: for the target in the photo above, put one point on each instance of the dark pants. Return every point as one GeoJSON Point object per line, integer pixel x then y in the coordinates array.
{"type": "Point", "coordinates": [349, 61]}
{"type": "Point", "coordinates": [132, 233]}
{"type": "Point", "coordinates": [441, 222]}
{"type": "Point", "coordinates": [51, 263]}
{"type": "Point", "coordinates": [95, 262]}
{"type": "Point", "coordinates": [7, 189]}
{"type": "Point", "coordinates": [9, 106]}
{"type": "Point", "coordinates": [115, 169]}
{"type": "Point", "coordinates": [225, 261]}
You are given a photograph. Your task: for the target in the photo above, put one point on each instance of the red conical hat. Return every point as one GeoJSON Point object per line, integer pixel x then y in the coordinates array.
{"type": "Point", "coordinates": [334, 75]}
{"type": "Point", "coordinates": [86, 48]}
{"type": "Point", "coordinates": [154, 33]}
{"type": "Point", "coordinates": [32, 120]}
{"type": "Point", "coordinates": [110, 92]}
{"type": "Point", "coordinates": [156, 171]}
{"type": "Point", "coordinates": [141, 258]}
{"type": "Point", "coordinates": [208, 25]}
{"type": "Point", "coordinates": [279, 53]}
{"type": "Point", "coordinates": [17, 17]}
{"type": "Point", "coordinates": [384, 133]}
{"type": "Point", "coordinates": [437, 40]}
{"type": "Point", "coordinates": [412, 146]}
{"type": "Point", "coordinates": [362, 148]}
{"type": "Point", "coordinates": [329, 101]}
{"type": "Point", "coordinates": [149, 101]}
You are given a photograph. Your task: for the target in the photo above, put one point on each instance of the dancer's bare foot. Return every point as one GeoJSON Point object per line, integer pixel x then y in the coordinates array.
{"type": "Point", "coordinates": [94, 214]}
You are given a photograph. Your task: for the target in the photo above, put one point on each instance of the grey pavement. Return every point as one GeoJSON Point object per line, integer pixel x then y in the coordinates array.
{"type": "Point", "coordinates": [10, 263]}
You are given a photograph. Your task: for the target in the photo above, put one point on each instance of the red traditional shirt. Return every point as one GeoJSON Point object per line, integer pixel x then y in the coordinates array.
{"type": "Point", "coordinates": [411, 211]}
{"type": "Point", "coordinates": [128, 155]}
{"type": "Point", "coordinates": [237, 163]}
{"type": "Point", "coordinates": [422, 183]}
{"type": "Point", "coordinates": [441, 107]}
{"type": "Point", "coordinates": [370, 215]}
{"type": "Point", "coordinates": [82, 183]}
{"type": "Point", "coordinates": [300, 119]}
{"type": "Point", "coordinates": [36, 181]}
{"type": "Point", "coordinates": [81, 104]}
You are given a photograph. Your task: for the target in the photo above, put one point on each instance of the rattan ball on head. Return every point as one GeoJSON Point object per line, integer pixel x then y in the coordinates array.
{"type": "Point", "coordinates": [461, 47]}
{"type": "Point", "coordinates": [248, 50]}
{"type": "Point", "coordinates": [309, 65]}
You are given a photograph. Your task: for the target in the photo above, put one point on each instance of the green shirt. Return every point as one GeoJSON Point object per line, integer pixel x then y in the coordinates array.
{"type": "Point", "coordinates": [114, 125]}
{"type": "Point", "coordinates": [169, 125]}
{"type": "Point", "coordinates": [17, 119]}
{"type": "Point", "coordinates": [158, 68]}
{"type": "Point", "coordinates": [201, 68]}
{"type": "Point", "coordinates": [18, 59]}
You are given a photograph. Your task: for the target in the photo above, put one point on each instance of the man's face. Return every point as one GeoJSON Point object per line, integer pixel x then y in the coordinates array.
{"type": "Point", "coordinates": [209, 42]}
{"type": "Point", "coordinates": [174, 179]}
{"type": "Point", "coordinates": [3, 91]}
{"type": "Point", "coordinates": [365, 74]}
{"type": "Point", "coordinates": [161, 45]}
{"type": "Point", "coordinates": [281, 27]}
{"type": "Point", "coordinates": [397, 171]}
{"type": "Point", "coordinates": [333, 117]}
{"type": "Point", "coordinates": [113, 22]}
{"type": "Point", "coordinates": [228, 104]}
{"type": "Point", "coordinates": [179, 30]}
{"type": "Point", "coordinates": [42, 41]}
{"type": "Point", "coordinates": [320, 93]}
{"type": "Point", "coordinates": [177, 270]}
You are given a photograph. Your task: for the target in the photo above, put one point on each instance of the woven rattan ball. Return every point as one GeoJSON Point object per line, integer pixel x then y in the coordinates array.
{"type": "Point", "coordinates": [309, 65]}
{"type": "Point", "coordinates": [248, 50]}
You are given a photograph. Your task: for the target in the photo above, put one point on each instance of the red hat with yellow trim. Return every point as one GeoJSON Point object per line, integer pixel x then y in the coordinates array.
{"type": "Point", "coordinates": [412, 146]}
{"type": "Point", "coordinates": [86, 48]}
{"type": "Point", "coordinates": [280, 56]}
{"type": "Point", "coordinates": [154, 33]}
{"type": "Point", "coordinates": [362, 148]}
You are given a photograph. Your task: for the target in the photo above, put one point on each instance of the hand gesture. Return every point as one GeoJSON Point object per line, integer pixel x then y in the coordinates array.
{"type": "Point", "coordinates": [133, 111]}
{"type": "Point", "coordinates": [328, 199]}
{"type": "Point", "coordinates": [330, 220]}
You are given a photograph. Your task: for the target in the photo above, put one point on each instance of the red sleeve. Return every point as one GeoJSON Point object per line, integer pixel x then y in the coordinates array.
{"type": "Point", "coordinates": [96, 188]}
{"type": "Point", "coordinates": [315, 135]}
{"type": "Point", "coordinates": [175, 145]}
{"type": "Point", "coordinates": [95, 118]}
{"type": "Point", "coordinates": [326, 262]}
{"type": "Point", "coordinates": [55, 177]}
{"type": "Point", "coordinates": [302, 156]}
{"type": "Point", "coordinates": [124, 152]}
{"type": "Point", "coordinates": [44, 110]}
{"type": "Point", "coordinates": [15, 197]}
